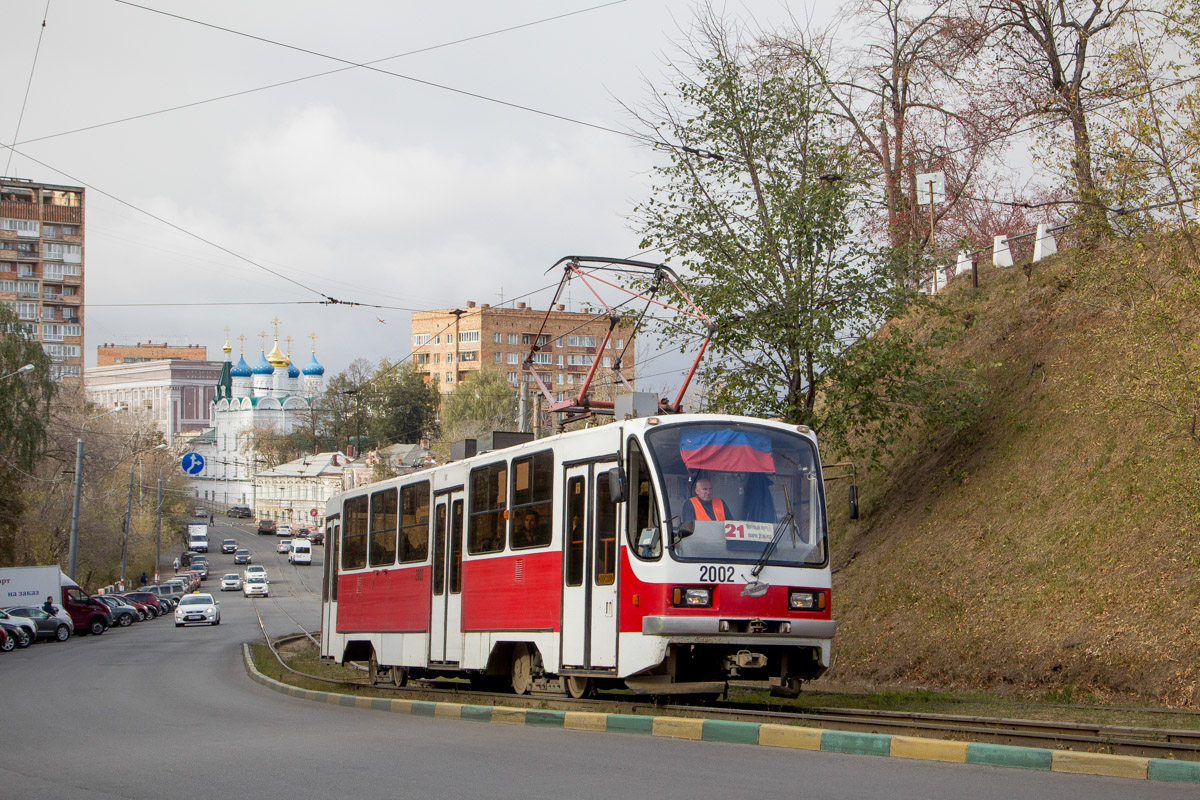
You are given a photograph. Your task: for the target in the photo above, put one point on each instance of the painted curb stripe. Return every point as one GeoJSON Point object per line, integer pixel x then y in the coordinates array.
{"type": "Point", "coordinates": [544, 718]}
{"type": "Point", "coordinates": [677, 727]}
{"type": "Point", "coordinates": [866, 744]}
{"type": "Point", "coordinates": [629, 723]}
{"type": "Point", "coordinates": [731, 731]}
{"type": "Point", "coordinates": [1163, 769]}
{"type": "Point", "coordinates": [928, 749]}
{"type": "Point", "coordinates": [773, 735]}
{"type": "Point", "coordinates": [477, 713]}
{"type": "Point", "coordinates": [585, 720]}
{"type": "Point", "coordinates": [765, 734]}
{"type": "Point", "coordinates": [1003, 755]}
{"type": "Point", "coordinates": [1099, 764]}
{"type": "Point", "coordinates": [508, 716]}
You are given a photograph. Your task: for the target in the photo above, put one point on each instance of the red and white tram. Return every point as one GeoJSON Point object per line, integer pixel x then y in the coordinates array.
{"type": "Point", "coordinates": [581, 560]}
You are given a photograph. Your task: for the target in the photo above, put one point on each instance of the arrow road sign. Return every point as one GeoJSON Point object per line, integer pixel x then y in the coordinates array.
{"type": "Point", "coordinates": [192, 463]}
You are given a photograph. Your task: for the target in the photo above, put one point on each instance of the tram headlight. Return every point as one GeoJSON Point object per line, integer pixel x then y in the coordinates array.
{"type": "Point", "coordinates": [691, 597]}
{"type": "Point", "coordinates": [806, 600]}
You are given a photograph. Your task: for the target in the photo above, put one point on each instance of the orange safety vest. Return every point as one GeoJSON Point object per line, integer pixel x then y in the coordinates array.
{"type": "Point", "coordinates": [701, 514]}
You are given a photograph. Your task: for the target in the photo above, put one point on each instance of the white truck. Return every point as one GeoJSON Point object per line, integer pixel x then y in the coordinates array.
{"type": "Point", "coordinates": [30, 586]}
{"type": "Point", "coordinates": [197, 537]}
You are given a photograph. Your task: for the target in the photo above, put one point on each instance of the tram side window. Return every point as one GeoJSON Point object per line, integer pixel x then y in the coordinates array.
{"type": "Point", "coordinates": [576, 508]}
{"type": "Point", "coordinates": [439, 549]}
{"type": "Point", "coordinates": [489, 506]}
{"type": "Point", "coordinates": [456, 522]}
{"type": "Point", "coordinates": [414, 522]}
{"type": "Point", "coordinates": [354, 533]}
{"type": "Point", "coordinates": [643, 508]}
{"type": "Point", "coordinates": [532, 495]}
{"type": "Point", "coordinates": [606, 536]}
{"type": "Point", "coordinates": [383, 528]}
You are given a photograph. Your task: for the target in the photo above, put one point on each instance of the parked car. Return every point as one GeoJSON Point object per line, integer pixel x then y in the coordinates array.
{"type": "Point", "coordinates": [7, 643]}
{"type": "Point", "coordinates": [239, 512]}
{"type": "Point", "coordinates": [229, 545]}
{"type": "Point", "coordinates": [284, 545]}
{"type": "Point", "coordinates": [242, 556]}
{"type": "Point", "coordinates": [199, 511]}
{"type": "Point", "coordinates": [231, 582]}
{"type": "Point", "coordinates": [198, 608]}
{"type": "Point", "coordinates": [49, 626]}
{"type": "Point", "coordinates": [318, 537]}
{"type": "Point", "coordinates": [29, 625]}
{"type": "Point", "coordinates": [201, 567]}
{"type": "Point", "coordinates": [145, 612]}
{"type": "Point", "coordinates": [152, 601]}
{"type": "Point", "coordinates": [123, 614]}
{"type": "Point", "coordinates": [254, 571]}
{"type": "Point", "coordinates": [255, 588]}
{"type": "Point", "coordinates": [266, 526]}
{"type": "Point", "coordinates": [19, 633]}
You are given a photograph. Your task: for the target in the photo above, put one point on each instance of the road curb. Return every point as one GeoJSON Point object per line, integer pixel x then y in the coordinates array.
{"type": "Point", "coordinates": [767, 735]}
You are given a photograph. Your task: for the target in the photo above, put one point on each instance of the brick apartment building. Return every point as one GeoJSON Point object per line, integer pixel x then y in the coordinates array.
{"type": "Point", "coordinates": [41, 266]}
{"type": "Point", "coordinates": [109, 354]}
{"type": "Point", "coordinates": [450, 344]}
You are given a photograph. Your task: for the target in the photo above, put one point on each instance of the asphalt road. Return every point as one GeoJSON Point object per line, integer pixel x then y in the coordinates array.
{"type": "Point", "coordinates": [155, 711]}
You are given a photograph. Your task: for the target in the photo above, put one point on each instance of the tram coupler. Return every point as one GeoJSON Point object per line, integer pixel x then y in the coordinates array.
{"type": "Point", "coordinates": [786, 687]}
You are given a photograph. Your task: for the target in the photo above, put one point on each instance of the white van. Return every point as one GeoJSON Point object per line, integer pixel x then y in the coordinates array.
{"type": "Point", "coordinates": [301, 552]}
{"type": "Point", "coordinates": [198, 542]}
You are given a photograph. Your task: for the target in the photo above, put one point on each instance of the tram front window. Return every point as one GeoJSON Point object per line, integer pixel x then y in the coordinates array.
{"type": "Point", "coordinates": [732, 485]}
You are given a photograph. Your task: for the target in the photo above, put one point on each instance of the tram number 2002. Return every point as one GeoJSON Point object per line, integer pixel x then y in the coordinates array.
{"type": "Point", "coordinates": [716, 574]}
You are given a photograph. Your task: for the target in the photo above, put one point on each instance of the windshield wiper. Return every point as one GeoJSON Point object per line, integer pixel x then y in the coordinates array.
{"type": "Point", "coordinates": [756, 588]}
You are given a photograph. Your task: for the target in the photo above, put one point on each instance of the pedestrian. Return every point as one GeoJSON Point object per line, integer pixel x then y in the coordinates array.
{"type": "Point", "coordinates": [48, 607]}
{"type": "Point", "coordinates": [175, 564]}
{"type": "Point", "coordinates": [210, 519]}
{"type": "Point", "coordinates": [145, 580]}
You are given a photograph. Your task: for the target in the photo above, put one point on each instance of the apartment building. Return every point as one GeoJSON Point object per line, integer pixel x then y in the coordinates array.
{"type": "Point", "coordinates": [109, 354]}
{"type": "Point", "coordinates": [41, 266]}
{"type": "Point", "coordinates": [449, 345]}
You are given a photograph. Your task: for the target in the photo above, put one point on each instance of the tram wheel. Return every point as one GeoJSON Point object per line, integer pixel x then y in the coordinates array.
{"type": "Point", "coordinates": [373, 669]}
{"type": "Point", "coordinates": [522, 669]}
{"type": "Point", "coordinates": [579, 686]}
{"type": "Point", "coordinates": [399, 676]}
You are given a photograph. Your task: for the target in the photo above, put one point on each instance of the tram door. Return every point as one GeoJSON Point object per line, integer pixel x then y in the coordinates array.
{"type": "Point", "coordinates": [589, 625]}
{"type": "Point", "coordinates": [445, 629]}
{"type": "Point", "coordinates": [333, 528]}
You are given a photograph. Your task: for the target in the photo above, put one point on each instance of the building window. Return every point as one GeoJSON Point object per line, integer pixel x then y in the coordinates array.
{"type": "Point", "coordinates": [468, 336]}
{"type": "Point", "coordinates": [449, 377]}
{"type": "Point", "coordinates": [437, 339]}
{"type": "Point", "coordinates": [496, 338]}
{"type": "Point", "coordinates": [606, 361]}
{"type": "Point", "coordinates": [514, 358]}
{"type": "Point", "coordinates": [512, 377]}
{"type": "Point", "coordinates": [8, 286]}
{"type": "Point", "coordinates": [468, 355]}
{"type": "Point", "coordinates": [514, 338]}
{"type": "Point", "coordinates": [560, 360]}
{"type": "Point", "coordinates": [581, 341]}
{"type": "Point", "coordinates": [497, 356]}
{"type": "Point", "coordinates": [543, 358]}
{"type": "Point", "coordinates": [420, 339]}
{"type": "Point", "coordinates": [559, 378]}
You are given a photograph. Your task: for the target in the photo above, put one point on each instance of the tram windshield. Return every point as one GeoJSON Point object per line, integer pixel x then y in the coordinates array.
{"type": "Point", "coordinates": [738, 487]}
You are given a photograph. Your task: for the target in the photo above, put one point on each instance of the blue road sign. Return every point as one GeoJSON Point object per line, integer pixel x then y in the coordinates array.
{"type": "Point", "coordinates": [193, 463]}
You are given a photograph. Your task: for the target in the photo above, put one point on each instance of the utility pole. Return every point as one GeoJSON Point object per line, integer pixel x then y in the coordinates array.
{"type": "Point", "coordinates": [128, 513]}
{"type": "Point", "coordinates": [74, 548]}
{"type": "Point", "coordinates": [158, 531]}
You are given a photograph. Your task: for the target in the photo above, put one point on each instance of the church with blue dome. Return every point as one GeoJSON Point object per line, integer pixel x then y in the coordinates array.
{"type": "Point", "coordinates": [272, 395]}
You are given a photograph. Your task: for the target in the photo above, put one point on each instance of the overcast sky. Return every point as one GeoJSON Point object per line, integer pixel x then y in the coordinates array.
{"type": "Point", "coordinates": [357, 185]}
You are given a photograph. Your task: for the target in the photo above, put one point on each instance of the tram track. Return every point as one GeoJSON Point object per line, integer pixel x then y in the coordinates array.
{"type": "Point", "coordinates": [1119, 740]}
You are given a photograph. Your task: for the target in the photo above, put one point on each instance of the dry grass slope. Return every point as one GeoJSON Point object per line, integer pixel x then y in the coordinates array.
{"type": "Point", "coordinates": [1052, 548]}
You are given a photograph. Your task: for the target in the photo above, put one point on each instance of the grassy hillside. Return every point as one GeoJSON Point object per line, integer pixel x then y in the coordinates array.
{"type": "Point", "coordinates": [1053, 547]}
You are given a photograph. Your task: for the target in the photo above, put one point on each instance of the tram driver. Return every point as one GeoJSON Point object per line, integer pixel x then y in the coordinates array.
{"type": "Point", "coordinates": [704, 506]}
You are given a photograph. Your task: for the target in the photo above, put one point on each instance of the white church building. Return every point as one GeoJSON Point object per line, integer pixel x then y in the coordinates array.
{"type": "Point", "coordinates": [273, 394]}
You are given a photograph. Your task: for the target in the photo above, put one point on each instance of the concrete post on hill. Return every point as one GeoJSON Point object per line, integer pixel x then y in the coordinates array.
{"type": "Point", "coordinates": [1001, 255]}
{"type": "Point", "coordinates": [1043, 243]}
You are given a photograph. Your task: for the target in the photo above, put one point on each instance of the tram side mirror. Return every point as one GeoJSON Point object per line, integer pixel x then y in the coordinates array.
{"type": "Point", "coordinates": [686, 529]}
{"type": "Point", "coordinates": [853, 501]}
{"type": "Point", "coordinates": [616, 484]}
{"type": "Point", "coordinates": [649, 543]}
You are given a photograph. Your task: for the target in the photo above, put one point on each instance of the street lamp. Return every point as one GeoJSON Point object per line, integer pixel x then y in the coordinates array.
{"type": "Point", "coordinates": [74, 547]}
{"type": "Point", "coordinates": [26, 368]}
{"type": "Point", "coordinates": [129, 509]}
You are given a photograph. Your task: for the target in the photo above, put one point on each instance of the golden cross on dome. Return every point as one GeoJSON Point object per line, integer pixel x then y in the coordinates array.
{"type": "Point", "coordinates": [288, 339]}
{"type": "Point", "coordinates": [242, 343]}
{"type": "Point", "coordinates": [313, 336]}
{"type": "Point", "coordinates": [275, 322]}
{"type": "Point", "coordinates": [263, 336]}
